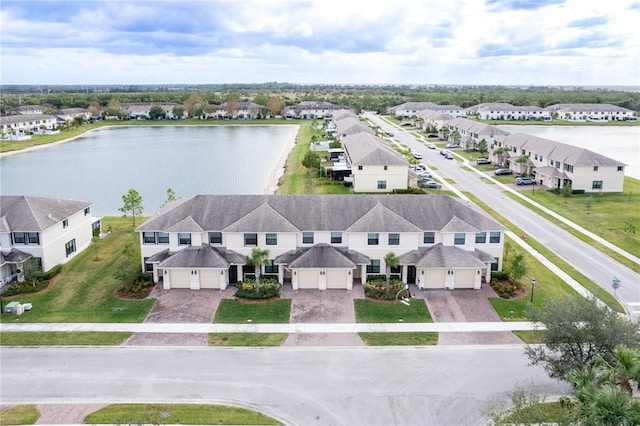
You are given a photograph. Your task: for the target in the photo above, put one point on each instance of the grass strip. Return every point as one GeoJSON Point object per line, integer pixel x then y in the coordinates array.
{"type": "Point", "coordinates": [270, 312]}
{"type": "Point", "coordinates": [62, 338]}
{"type": "Point", "coordinates": [177, 414]}
{"type": "Point", "coordinates": [400, 339]}
{"type": "Point", "coordinates": [371, 311]}
{"type": "Point", "coordinates": [247, 339]}
{"type": "Point", "coordinates": [19, 415]}
{"type": "Point", "coordinates": [595, 289]}
{"type": "Point", "coordinates": [531, 337]}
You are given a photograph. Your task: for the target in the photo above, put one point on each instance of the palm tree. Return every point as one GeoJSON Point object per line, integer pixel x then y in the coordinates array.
{"type": "Point", "coordinates": [257, 258]}
{"type": "Point", "coordinates": [391, 261]}
{"type": "Point", "coordinates": [522, 160]}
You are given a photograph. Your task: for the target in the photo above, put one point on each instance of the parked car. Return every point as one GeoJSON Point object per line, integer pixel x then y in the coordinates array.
{"type": "Point", "coordinates": [423, 173]}
{"type": "Point", "coordinates": [451, 145]}
{"type": "Point", "coordinates": [443, 152]}
{"type": "Point", "coordinates": [431, 146]}
{"type": "Point", "coordinates": [483, 161]}
{"type": "Point", "coordinates": [390, 134]}
{"type": "Point", "coordinates": [500, 172]}
{"type": "Point", "coordinates": [432, 136]}
{"type": "Point", "coordinates": [431, 184]}
{"type": "Point", "coordinates": [448, 156]}
{"type": "Point", "coordinates": [525, 181]}
{"type": "Point", "coordinates": [416, 155]}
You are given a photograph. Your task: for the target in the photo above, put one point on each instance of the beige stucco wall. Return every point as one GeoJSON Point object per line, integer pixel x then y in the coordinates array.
{"type": "Point", "coordinates": [366, 180]}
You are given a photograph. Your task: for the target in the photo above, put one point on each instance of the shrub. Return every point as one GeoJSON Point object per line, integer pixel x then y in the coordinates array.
{"type": "Point", "coordinates": [499, 275]}
{"type": "Point", "coordinates": [268, 289]}
{"type": "Point", "coordinates": [505, 291]}
{"type": "Point", "coordinates": [577, 191]}
{"type": "Point", "coordinates": [376, 289]}
{"type": "Point", "coordinates": [25, 287]}
{"type": "Point", "coordinates": [138, 289]}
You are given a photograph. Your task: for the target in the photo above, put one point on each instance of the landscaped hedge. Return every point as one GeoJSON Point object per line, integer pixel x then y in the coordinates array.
{"type": "Point", "coordinates": [376, 289]}
{"type": "Point", "coordinates": [25, 287]}
{"type": "Point", "coordinates": [139, 289]}
{"type": "Point", "coordinates": [268, 288]}
{"type": "Point", "coordinates": [499, 275]}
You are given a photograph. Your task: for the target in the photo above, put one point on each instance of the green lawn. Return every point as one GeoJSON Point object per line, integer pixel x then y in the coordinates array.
{"type": "Point", "coordinates": [271, 312]}
{"type": "Point", "coordinates": [84, 290]}
{"type": "Point", "coordinates": [400, 339]}
{"type": "Point", "coordinates": [19, 415]}
{"type": "Point", "coordinates": [370, 311]}
{"type": "Point", "coordinates": [531, 336]}
{"type": "Point", "coordinates": [247, 339]}
{"type": "Point", "coordinates": [178, 414]}
{"type": "Point", "coordinates": [62, 338]}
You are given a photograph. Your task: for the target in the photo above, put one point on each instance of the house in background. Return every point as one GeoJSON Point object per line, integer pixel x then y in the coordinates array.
{"type": "Point", "coordinates": [349, 126]}
{"type": "Point", "coordinates": [506, 111]}
{"type": "Point", "coordinates": [467, 133]}
{"type": "Point", "coordinates": [411, 109]}
{"type": "Point", "coordinates": [320, 241]}
{"type": "Point", "coordinates": [240, 110]}
{"type": "Point", "coordinates": [50, 230]}
{"type": "Point", "coordinates": [140, 111]}
{"type": "Point", "coordinates": [31, 109]}
{"type": "Point", "coordinates": [67, 115]}
{"type": "Point", "coordinates": [591, 112]}
{"type": "Point", "coordinates": [307, 110]}
{"type": "Point", "coordinates": [20, 127]}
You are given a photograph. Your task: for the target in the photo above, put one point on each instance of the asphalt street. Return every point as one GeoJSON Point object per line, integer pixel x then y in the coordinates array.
{"type": "Point", "coordinates": [594, 264]}
{"type": "Point", "coordinates": [300, 386]}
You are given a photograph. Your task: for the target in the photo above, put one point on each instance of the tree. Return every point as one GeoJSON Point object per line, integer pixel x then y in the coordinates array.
{"type": "Point", "coordinates": [390, 261]}
{"type": "Point", "coordinates": [517, 267]}
{"type": "Point", "coordinates": [578, 331]}
{"type": "Point", "coordinates": [191, 103]}
{"type": "Point", "coordinates": [275, 105]}
{"type": "Point", "coordinates": [156, 113]}
{"type": "Point", "coordinates": [257, 258]}
{"type": "Point", "coordinates": [171, 196]}
{"type": "Point", "coordinates": [311, 160]}
{"type": "Point", "coordinates": [482, 146]}
{"type": "Point", "coordinates": [231, 105]}
{"type": "Point", "coordinates": [132, 202]}
{"type": "Point", "coordinates": [31, 270]}
{"type": "Point", "coordinates": [524, 408]}
{"type": "Point", "coordinates": [566, 191]}
{"type": "Point", "coordinates": [126, 272]}
{"type": "Point", "coordinates": [522, 160]}
{"type": "Point", "coordinates": [177, 112]}
{"type": "Point", "coordinates": [77, 121]}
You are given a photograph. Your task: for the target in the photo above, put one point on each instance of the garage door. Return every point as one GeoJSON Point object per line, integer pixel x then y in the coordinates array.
{"type": "Point", "coordinates": [337, 279]}
{"type": "Point", "coordinates": [209, 278]}
{"type": "Point", "coordinates": [307, 278]}
{"type": "Point", "coordinates": [434, 278]}
{"type": "Point", "coordinates": [465, 278]}
{"type": "Point", "coordinates": [180, 278]}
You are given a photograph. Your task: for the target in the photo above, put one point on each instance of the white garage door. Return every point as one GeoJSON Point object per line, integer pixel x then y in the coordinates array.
{"type": "Point", "coordinates": [434, 278]}
{"type": "Point", "coordinates": [180, 278]}
{"type": "Point", "coordinates": [464, 278]}
{"type": "Point", "coordinates": [337, 279]}
{"type": "Point", "coordinates": [308, 278]}
{"type": "Point", "coordinates": [209, 278]}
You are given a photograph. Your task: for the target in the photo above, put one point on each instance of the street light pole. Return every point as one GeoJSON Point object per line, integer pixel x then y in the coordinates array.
{"type": "Point", "coordinates": [533, 283]}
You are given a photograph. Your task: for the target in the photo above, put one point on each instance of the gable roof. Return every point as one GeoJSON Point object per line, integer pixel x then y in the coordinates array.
{"type": "Point", "coordinates": [322, 256]}
{"type": "Point", "coordinates": [381, 219]}
{"type": "Point", "coordinates": [367, 149]}
{"type": "Point", "coordinates": [440, 256]}
{"type": "Point", "coordinates": [262, 219]}
{"type": "Point", "coordinates": [351, 126]}
{"type": "Point", "coordinates": [23, 213]}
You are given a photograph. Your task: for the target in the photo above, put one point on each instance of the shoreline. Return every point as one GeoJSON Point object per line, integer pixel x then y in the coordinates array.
{"type": "Point", "coordinates": [281, 165]}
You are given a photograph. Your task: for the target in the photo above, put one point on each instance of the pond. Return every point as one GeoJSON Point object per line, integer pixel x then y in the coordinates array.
{"type": "Point", "coordinates": [103, 165]}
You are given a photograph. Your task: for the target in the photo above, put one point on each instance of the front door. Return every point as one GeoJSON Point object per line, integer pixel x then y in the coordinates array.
{"type": "Point", "coordinates": [411, 274]}
{"type": "Point", "coordinates": [233, 274]}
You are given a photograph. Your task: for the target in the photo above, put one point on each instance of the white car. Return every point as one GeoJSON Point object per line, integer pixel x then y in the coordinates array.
{"type": "Point", "coordinates": [416, 155]}
{"type": "Point", "coordinates": [431, 146]}
{"type": "Point", "coordinates": [424, 173]}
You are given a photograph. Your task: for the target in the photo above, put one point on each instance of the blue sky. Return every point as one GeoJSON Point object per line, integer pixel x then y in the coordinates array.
{"type": "Point", "coordinates": [501, 42]}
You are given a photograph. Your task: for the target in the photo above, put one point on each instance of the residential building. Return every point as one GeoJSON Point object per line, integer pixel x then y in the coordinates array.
{"type": "Point", "coordinates": [240, 110]}
{"type": "Point", "coordinates": [467, 133]}
{"type": "Point", "coordinates": [556, 164]}
{"type": "Point", "coordinates": [31, 109]}
{"type": "Point", "coordinates": [21, 126]}
{"type": "Point", "coordinates": [67, 115]}
{"type": "Point", "coordinates": [320, 241]}
{"type": "Point", "coordinates": [50, 230]}
{"type": "Point", "coordinates": [348, 126]}
{"type": "Point", "coordinates": [307, 110]}
{"type": "Point", "coordinates": [591, 112]}
{"type": "Point", "coordinates": [140, 111]}
{"type": "Point", "coordinates": [427, 120]}
{"type": "Point", "coordinates": [506, 111]}
{"type": "Point", "coordinates": [375, 165]}
{"type": "Point", "coordinates": [410, 109]}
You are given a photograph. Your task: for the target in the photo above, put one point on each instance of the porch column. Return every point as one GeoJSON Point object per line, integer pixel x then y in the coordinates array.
{"type": "Point", "coordinates": [224, 279]}
{"type": "Point", "coordinates": [166, 279]}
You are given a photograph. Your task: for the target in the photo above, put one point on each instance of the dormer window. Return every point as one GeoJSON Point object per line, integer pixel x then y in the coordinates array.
{"type": "Point", "coordinates": [65, 223]}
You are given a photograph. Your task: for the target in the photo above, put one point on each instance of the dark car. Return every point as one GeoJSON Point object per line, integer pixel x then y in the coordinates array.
{"type": "Point", "coordinates": [500, 172]}
{"type": "Point", "coordinates": [429, 184]}
{"type": "Point", "coordinates": [525, 181]}
{"type": "Point", "coordinates": [389, 134]}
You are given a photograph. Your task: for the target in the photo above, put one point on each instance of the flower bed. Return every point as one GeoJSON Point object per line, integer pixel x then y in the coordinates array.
{"type": "Point", "coordinates": [269, 288]}
{"type": "Point", "coordinates": [376, 289]}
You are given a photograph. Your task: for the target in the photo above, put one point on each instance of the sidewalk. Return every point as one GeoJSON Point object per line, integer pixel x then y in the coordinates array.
{"type": "Point", "coordinates": [440, 327]}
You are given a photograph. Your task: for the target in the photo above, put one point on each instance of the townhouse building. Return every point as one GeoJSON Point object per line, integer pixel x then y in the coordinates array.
{"type": "Point", "coordinates": [239, 110]}
{"type": "Point", "coordinates": [21, 126]}
{"type": "Point", "coordinates": [591, 112]}
{"type": "Point", "coordinates": [410, 109]}
{"type": "Point", "coordinates": [50, 230]}
{"type": "Point", "coordinates": [349, 125]}
{"type": "Point", "coordinates": [320, 241]}
{"type": "Point", "coordinates": [307, 110]}
{"type": "Point", "coordinates": [506, 111]}
{"type": "Point", "coordinates": [67, 115]}
{"type": "Point", "coordinates": [140, 111]}
{"type": "Point", "coordinates": [467, 133]}
{"type": "Point", "coordinates": [556, 164]}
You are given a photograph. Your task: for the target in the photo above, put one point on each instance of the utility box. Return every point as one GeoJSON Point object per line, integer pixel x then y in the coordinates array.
{"type": "Point", "coordinates": [27, 306]}
{"type": "Point", "coordinates": [11, 307]}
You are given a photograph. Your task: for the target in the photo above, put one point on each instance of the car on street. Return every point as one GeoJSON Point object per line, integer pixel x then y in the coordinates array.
{"type": "Point", "coordinates": [431, 184]}
{"type": "Point", "coordinates": [443, 152]}
{"type": "Point", "coordinates": [416, 155]}
{"type": "Point", "coordinates": [525, 181]}
{"type": "Point", "coordinates": [423, 173]}
{"type": "Point", "coordinates": [448, 156]}
{"type": "Point", "coordinates": [483, 161]}
{"type": "Point", "coordinates": [452, 145]}
{"type": "Point", "coordinates": [500, 172]}
{"type": "Point", "coordinates": [390, 134]}
{"type": "Point", "coordinates": [431, 146]}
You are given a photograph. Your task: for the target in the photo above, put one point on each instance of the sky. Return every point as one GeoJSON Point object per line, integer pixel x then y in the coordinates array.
{"type": "Point", "coordinates": [449, 42]}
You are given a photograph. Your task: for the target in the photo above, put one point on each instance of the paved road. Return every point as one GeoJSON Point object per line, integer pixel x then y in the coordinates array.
{"type": "Point", "coordinates": [597, 266]}
{"type": "Point", "coordinates": [303, 386]}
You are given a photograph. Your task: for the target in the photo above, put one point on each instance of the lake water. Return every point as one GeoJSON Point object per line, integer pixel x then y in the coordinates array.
{"type": "Point", "coordinates": [617, 142]}
{"type": "Point", "coordinates": [101, 166]}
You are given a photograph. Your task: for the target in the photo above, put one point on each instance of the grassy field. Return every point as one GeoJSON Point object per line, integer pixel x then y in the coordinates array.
{"type": "Point", "coordinates": [370, 311]}
{"type": "Point", "coordinates": [400, 339]}
{"type": "Point", "coordinates": [62, 338]}
{"type": "Point", "coordinates": [19, 415]}
{"type": "Point", "coordinates": [271, 312]}
{"type": "Point", "coordinates": [246, 339]}
{"type": "Point", "coordinates": [84, 290]}
{"type": "Point", "coordinates": [187, 414]}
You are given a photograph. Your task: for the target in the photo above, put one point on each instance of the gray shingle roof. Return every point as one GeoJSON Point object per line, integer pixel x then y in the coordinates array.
{"type": "Point", "coordinates": [13, 256]}
{"type": "Point", "coordinates": [317, 212]}
{"type": "Point", "coordinates": [352, 126]}
{"type": "Point", "coordinates": [322, 256]}
{"type": "Point", "coordinates": [440, 256]}
{"type": "Point", "coordinates": [202, 257]}
{"type": "Point", "coordinates": [367, 149]}
{"type": "Point", "coordinates": [23, 213]}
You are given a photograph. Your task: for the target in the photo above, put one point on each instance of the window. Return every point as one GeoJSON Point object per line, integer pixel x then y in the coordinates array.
{"type": "Point", "coordinates": [336, 237]}
{"type": "Point", "coordinates": [19, 238]}
{"type": "Point", "coordinates": [271, 239]}
{"type": "Point", "coordinates": [458, 238]}
{"type": "Point", "coordinates": [429, 238]}
{"type": "Point", "coordinates": [215, 237]}
{"type": "Point", "coordinates": [373, 238]}
{"type": "Point", "coordinates": [568, 168]}
{"type": "Point", "coordinates": [149, 237]}
{"type": "Point", "coordinates": [373, 267]}
{"type": "Point", "coordinates": [70, 247]}
{"type": "Point", "coordinates": [394, 239]}
{"type": "Point", "coordinates": [270, 268]}
{"type": "Point", "coordinates": [33, 238]}
{"type": "Point", "coordinates": [396, 270]}
{"type": "Point", "coordinates": [595, 168]}
{"type": "Point", "coordinates": [494, 237]}
{"type": "Point", "coordinates": [557, 164]}
{"type": "Point", "coordinates": [481, 237]}
{"type": "Point", "coordinates": [65, 223]}
{"type": "Point", "coordinates": [184, 239]}
{"type": "Point", "coordinates": [596, 184]}
{"type": "Point", "coordinates": [359, 167]}
{"type": "Point", "coordinates": [163, 237]}
{"type": "Point", "coordinates": [494, 265]}
{"type": "Point", "coordinates": [307, 238]}
{"type": "Point", "coordinates": [250, 239]}
{"type": "Point", "coordinates": [148, 267]}
{"type": "Point", "coordinates": [87, 211]}
{"type": "Point", "coordinates": [620, 168]}
{"type": "Point", "coordinates": [382, 184]}
{"type": "Point", "coordinates": [385, 167]}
